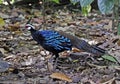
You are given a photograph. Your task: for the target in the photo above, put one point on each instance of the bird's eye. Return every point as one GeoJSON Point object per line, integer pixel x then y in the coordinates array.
{"type": "Point", "coordinates": [29, 26]}
{"type": "Point", "coordinates": [26, 26]}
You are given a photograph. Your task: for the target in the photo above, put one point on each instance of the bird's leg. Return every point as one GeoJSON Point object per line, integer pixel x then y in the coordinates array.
{"type": "Point", "coordinates": [56, 60]}
{"type": "Point", "coordinates": [50, 63]}
{"type": "Point", "coordinates": [51, 58]}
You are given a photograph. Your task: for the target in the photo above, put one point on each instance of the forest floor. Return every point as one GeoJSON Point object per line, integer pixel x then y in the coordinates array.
{"type": "Point", "coordinates": [23, 61]}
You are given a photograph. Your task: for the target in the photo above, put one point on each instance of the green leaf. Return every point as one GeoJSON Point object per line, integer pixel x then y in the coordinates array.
{"type": "Point", "coordinates": [12, 1]}
{"type": "Point", "coordinates": [56, 1]}
{"type": "Point", "coordinates": [2, 22]}
{"type": "Point", "coordinates": [86, 10]}
{"type": "Point", "coordinates": [105, 6]}
{"type": "Point", "coordinates": [85, 3]}
{"type": "Point", "coordinates": [110, 58]}
{"type": "Point", "coordinates": [116, 2]}
{"type": "Point", "coordinates": [74, 1]}
{"type": "Point", "coordinates": [1, 1]}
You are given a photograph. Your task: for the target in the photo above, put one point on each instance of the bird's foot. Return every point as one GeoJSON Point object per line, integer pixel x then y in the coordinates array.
{"type": "Point", "coordinates": [52, 64]}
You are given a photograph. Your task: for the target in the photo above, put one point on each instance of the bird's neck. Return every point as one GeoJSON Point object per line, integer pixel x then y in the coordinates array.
{"type": "Point", "coordinates": [32, 30]}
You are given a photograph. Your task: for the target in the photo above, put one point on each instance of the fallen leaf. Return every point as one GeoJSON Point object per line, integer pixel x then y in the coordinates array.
{"type": "Point", "coordinates": [14, 27]}
{"type": "Point", "coordinates": [110, 58]}
{"type": "Point", "coordinates": [76, 50]}
{"type": "Point", "coordinates": [2, 22]}
{"type": "Point", "coordinates": [3, 66]}
{"type": "Point", "coordinates": [61, 76]}
{"type": "Point", "coordinates": [117, 68]}
{"type": "Point", "coordinates": [117, 82]}
{"type": "Point", "coordinates": [118, 42]}
{"type": "Point", "coordinates": [2, 50]}
{"type": "Point", "coordinates": [109, 26]}
{"type": "Point", "coordinates": [65, 54]}
{"type": "Point", "coordinates": [111, 81]}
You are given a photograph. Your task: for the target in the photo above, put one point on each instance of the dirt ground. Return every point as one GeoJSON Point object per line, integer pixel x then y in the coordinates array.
{"type": "Point", "coordinates": [23, 61]}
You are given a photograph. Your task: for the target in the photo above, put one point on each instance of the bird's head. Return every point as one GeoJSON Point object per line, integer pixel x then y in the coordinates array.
{"type": "Point", "coordinates": [29, 26]}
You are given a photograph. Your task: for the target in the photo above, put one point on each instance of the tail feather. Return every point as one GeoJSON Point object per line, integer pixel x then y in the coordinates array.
{"type": "Point", "coordinates": [98, 50]}
{"type": "Point", "coordinates": [83, 45]}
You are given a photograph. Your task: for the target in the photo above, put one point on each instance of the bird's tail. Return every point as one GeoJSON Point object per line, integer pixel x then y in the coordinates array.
{"type": "Point", "coordinates": [97, 50]}
{"type": "Point", "coordinates": [81, 44]}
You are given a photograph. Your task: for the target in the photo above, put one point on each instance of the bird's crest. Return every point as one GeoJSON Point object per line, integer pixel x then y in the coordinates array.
{"type": "Point", "coordinates": [29, 25]}
{"type": "Point", "coordinates": [29, 21]}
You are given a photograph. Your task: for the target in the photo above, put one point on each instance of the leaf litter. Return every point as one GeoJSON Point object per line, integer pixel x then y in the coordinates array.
{"type": "Point", "coordinates": [23, 60]}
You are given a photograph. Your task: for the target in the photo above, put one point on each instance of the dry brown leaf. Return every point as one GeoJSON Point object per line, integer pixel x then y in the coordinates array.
{"type": "Point", "coordinates": [14, 27]}
{"type": "Point", "coordinates": [118, 42]}
{"type": "Point", "coordinates": [111, 81]}
{"type": "Point", "coordinates": [117, 68]}
{"type": "Point", "coordinates": [2, 50]}
{"type": "Point", "coordinates": [76, 50]}
{"type": "Point", "coordinates": [91, 82]}
{"type": "Point", "coordinates": [109, 26]}
{"type": "Point", "coordinates": [72, 23]}
{"type": "Point", "coordinates": [64, 54]}
{"type": "Point", "coordinates": [61, 76]}
{"type": "Point", "coordinates": [117, 82]}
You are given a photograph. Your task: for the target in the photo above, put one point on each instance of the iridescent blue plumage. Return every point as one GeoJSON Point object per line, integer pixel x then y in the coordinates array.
{"type": "Point", "coordinates": [52, 41]}
{"type": "Point", "coordinates": [55, 40]}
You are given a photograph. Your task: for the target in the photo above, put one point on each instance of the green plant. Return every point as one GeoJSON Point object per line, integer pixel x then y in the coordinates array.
{"type": "Point", "coordinates": [105, 7]}
{"type": "Point", "coordinates": [56, 1]}
{"type": "Point", "coordinates": [116, 16]}
{"type": "Point", "coordinates": [85, 5]}
{"type": "Point", "coordinates": [1, 1]}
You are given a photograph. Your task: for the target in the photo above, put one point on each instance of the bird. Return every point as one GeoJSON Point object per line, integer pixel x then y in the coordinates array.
{"type": "Point", "coordinates": [50, 40]}
{"type": "Point", "coordinates": [59, 41]}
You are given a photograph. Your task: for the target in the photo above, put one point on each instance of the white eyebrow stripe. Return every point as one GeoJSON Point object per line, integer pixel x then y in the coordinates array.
{"type": "Point", "coordinates": [29, 25]}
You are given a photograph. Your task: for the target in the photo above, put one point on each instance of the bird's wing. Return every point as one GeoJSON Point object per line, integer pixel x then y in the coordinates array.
{"type": "Point", "coordinates": [55, 40]}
